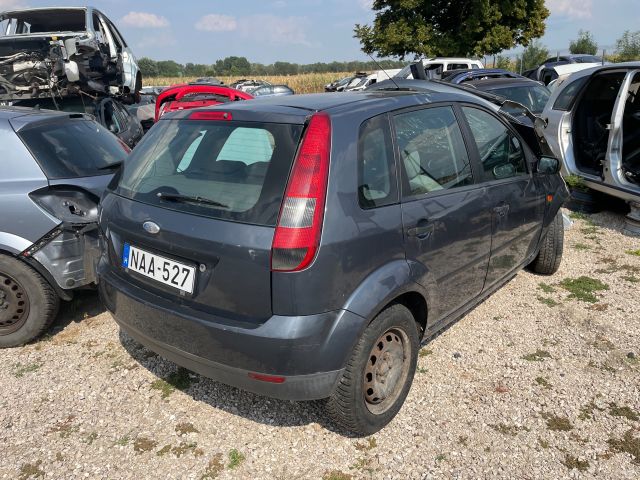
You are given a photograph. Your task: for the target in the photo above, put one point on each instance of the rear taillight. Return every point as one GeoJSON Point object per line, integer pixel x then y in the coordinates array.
{"type": "Point", "coordinates": [69, 205]}
{"type": "Point", "coordinates": [211, 115]}
{"type": "Point", "coordinates": [297, 234]}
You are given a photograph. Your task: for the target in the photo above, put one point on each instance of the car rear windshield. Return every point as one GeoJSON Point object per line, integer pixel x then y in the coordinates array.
{"type": "Point", "coordinates": [220, 169]}
{"type": "Point", "coordinates": [73, 148]}
{"type": "Point", "coordinates": [533, 97]}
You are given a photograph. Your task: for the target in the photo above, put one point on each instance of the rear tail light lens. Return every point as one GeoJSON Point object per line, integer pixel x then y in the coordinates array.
{"type": "Point", "coordinates": [67, 205]}
{"type": "Point", "coordinates": [297, 234]}
{"type": "Point", "coordinates": [216, 115]}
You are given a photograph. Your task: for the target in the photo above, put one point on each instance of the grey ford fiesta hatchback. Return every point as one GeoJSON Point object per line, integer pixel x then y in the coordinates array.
{"type": "Point", "coordinates": [302, 247]}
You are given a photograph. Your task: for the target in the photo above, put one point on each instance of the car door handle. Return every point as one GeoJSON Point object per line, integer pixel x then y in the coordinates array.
{"type": "Point", "coordinates": [501, 210]}
{"type": "Point", "coordinates": [421, 231]}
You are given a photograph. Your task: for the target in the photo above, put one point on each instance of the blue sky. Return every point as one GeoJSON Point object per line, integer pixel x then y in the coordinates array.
{"type": "Point", "coordinates": [303, 31]}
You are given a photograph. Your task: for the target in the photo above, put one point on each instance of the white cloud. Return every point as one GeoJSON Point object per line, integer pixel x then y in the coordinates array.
{"type": "Point", "coordinates": [10, 5]}
{"type": "Point", "coordinates": [217, 23]}
{"type": "Point", "coordinates": [366, 4]}
{"type": "Point", "coordinates": [275, 30]}
{"type": "Point", "coordinates": [571, 8]}
{"type": "Point", "coordinates": [144, 20]}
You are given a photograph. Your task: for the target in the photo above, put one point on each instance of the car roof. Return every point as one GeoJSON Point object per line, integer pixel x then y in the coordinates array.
{"type": "Point", "coordinates": [10, 113]}
{"type": "Point", "coordinates": [490, 83]}
{"type": "Point", "coordinates": [295, 108]}
{"type": "Point", "coordinates": [43, 9]}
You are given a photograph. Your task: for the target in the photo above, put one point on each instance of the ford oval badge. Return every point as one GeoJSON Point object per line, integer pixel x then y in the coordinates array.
{"type": "Point", "coordinates": [151, 227]}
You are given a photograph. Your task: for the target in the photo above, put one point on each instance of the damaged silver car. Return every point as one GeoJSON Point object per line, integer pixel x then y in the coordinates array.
{"type": "Point", "coordinates": [57, 52]}
{"type": "Point", "coordinates": [592, 122]}
{"type": "Point", "coordinates": [56, 166]}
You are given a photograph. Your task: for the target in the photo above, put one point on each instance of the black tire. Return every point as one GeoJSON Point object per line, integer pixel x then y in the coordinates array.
{"type": "Point", "coordinates": [28, 304]}
{"type": "Point", "coordinates": [583, 201]}
{"type": "Point", "coordinates": [550, 256]}
{"type": "Point", "coordinates": [352, 404]}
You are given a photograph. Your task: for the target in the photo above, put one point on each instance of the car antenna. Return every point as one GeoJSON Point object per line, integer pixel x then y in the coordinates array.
{"type": "Point", "coordinates": [385, 72]}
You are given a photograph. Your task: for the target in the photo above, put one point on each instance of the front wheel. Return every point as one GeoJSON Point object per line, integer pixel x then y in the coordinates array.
{"type": "Point", "coordinates": [378, 376]}
{"type": "Point", "coordinates": [28, 304]}
{"type": "Point", "coordinates": [548, 260]}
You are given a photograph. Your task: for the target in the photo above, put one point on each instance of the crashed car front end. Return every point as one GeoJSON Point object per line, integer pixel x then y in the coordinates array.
{"type": "Point", "coordinates": [56, 57]}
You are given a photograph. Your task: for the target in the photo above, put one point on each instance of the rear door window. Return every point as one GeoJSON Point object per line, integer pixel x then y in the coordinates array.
{"type": "Point", "coordinates": [73, 148]}
{"type": "Point", "coordinates": [377, 184]}
{"type": "Point", "coordinates": [500, 151]}
{"type": "Point", "coordinates": [240, 168]}
{"type": "Point", "coordinates": [432, 151]}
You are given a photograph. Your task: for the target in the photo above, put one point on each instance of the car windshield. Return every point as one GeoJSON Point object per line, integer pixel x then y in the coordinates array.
{"type": "Point", "coordinates": [42, 21]}
{"type": "Point", "coordinates": [533, 97]}
{"type": "Point", "coordinates": [588, 59]}
{"type": "Point", "coordinates": [237, 170]}
{"type": "Point", "coordinates": [73, 148]}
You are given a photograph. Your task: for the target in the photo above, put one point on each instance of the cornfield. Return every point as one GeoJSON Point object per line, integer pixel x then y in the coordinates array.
{"type": "Point", "coordinates": [303, 83]}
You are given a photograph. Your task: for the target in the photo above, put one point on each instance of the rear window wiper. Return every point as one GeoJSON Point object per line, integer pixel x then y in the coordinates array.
{"type": "Point", "coordinates": [176, 197]}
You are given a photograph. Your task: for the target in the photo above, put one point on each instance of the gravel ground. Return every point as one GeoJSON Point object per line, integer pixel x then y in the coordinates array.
{"type": "Point", "coordinates": [540, 381]}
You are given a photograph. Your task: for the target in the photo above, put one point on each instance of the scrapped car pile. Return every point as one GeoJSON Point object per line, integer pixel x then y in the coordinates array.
{"type": "Point", "coordinates": [230, 241]}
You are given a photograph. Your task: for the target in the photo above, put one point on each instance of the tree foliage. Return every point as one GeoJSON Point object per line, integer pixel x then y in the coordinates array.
{"type": "Point", "coordinates": [240, 66]}
{"type": "Point", "coordinates": [628, 46]}
{"type": "Point", "coordinates": [535, 54]}
{"type": "Point", "coordinates": [585, 43]}
{"type": "Point", "coordinates": [451, 28]}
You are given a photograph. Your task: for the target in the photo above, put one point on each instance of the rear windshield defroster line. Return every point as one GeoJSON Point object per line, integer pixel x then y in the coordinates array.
{"type": "Point", "coordinates": [240, 168]}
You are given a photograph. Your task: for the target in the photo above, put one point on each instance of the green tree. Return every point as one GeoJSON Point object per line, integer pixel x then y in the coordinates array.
{"type": "Point", "coordinates": [233, 66]}
{"type": "Point", "coordinates": [585, 43]}
{"type": "Point", "coordinates": [505, 63]}
{"type": "Point", "coordinates": [446, 28]}
{"type": "Point", "coordinates": [148, 67]}
{"type": "Point", "coordinates": [532, 57]}
{"type": "Point", "coordinates": [628, 46]}
{"type": "Point", "coordinates": [169, 68]}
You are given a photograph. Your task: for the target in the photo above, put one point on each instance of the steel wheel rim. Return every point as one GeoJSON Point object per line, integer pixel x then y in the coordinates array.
{"type": "Point", "coordinates": [14, 305]}
{"type": "Point", "coordinates": [386, 371]}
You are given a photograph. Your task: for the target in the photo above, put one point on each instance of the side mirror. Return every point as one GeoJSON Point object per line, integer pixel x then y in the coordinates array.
{"type": "Point", "coordinates": [548, 165]}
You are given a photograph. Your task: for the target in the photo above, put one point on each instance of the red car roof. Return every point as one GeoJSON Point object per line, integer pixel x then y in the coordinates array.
{"type": "Point", "coordinates": [173, 98]}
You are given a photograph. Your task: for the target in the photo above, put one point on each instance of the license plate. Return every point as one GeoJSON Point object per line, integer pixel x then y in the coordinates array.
{"type": "Point", "coordinates": [160, 269]}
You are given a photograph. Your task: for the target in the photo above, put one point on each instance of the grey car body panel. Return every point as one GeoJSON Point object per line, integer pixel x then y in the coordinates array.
{"type": "Point", "coordinates": [67, 261]}
{"type": "Point", "coordinates": [364, 261]}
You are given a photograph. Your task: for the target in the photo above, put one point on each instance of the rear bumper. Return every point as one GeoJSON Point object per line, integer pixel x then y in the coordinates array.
{"type": "Point", "coordinates": [309, 352]}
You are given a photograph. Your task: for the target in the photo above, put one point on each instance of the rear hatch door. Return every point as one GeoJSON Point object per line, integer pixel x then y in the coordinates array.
{"type": "Point", "coordinates": [200, 197]}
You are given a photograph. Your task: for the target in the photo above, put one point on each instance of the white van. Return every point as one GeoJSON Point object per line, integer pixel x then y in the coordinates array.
{"type": "Point", "coordinates": [442, 64]}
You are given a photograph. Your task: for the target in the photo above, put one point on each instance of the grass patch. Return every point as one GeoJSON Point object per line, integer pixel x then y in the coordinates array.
{"type": "Point", "coordinates": [543, 443]}
{"type": "Point", "coordinates": [184, 428]}
{"type": "Point", "coordinates": [587, 411]}
{"type": "Point", "coordinates": [626, 412]}
{"type": "Point", "coordinates": [543, 382]}
{"type": "Point", "coordinates": [123, 441]}
{"type": "Point", "coordinates": [549, 302]}
{"type": "Point", "coordinates": [186, 447]}
{"type": "Point", "coordinates": [371, 444]}
{"type": "Point", "coordinates": [557, 424]}
{"type": "Point", "coordinates": [21, 370]}
{"type": "Point", "coordinates": [214, 468]}
{"type": "Point", "coordinates": [425, 353]}
{"type": "Point", "coordinates": [635, 253]}
{"type": "Point", "coordinates": [581, 246]}
{"type": "Point", "coordinates": [579, 216]}
{"type": "Point", "coordinates": [163, 451]}
{"type": "Point", "coordinates": [627, 444]}
{"type": "Point", "coordinates": [546, 288]}
{"type": "Point", "coordinates": [421, 370]}
{"type": "Point", "coordinates": [31, 470]}
{"type": "Point", "coordinates": [178, 380]}
{"type": "Point", "coordinates": [235, 459]}
{"type": "Point", "coordinates": [584, 288]}
{"type": "Point", "coordinates": [65, 427]}
{"type": "Point", "coordinates": [92, 437]}
{"type": "Point", "coordinates": [336, 475]}
{"type": "Point", "coordinates": [143, 444]}
{"type": "Point", "coordinates": [572, 463]}
{"type": "Point", "coordinates": [537, 356]}
{"type": "Point", "coordinates": [511, 430]}
{"type": "Point", "coordinates": [631, 278]}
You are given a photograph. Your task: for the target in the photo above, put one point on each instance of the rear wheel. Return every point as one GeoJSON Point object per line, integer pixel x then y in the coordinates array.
{"type": "Point", "coordinates": [548, 260]}
{"type": "Point", "coordinates": [379, 373]}
{"type": "Point", "coordinates": [28, 304]}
